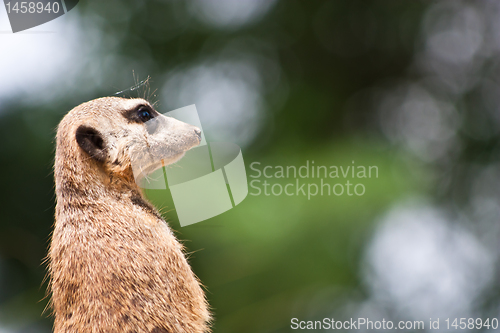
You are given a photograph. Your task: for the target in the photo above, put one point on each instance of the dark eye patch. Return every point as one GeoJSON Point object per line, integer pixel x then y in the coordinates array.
{"type": "Point", "coordinates": [140, 114]}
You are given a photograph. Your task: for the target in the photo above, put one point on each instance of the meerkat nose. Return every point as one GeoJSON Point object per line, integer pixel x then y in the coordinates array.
{"type": "Point", "coordinates": [197, 131]}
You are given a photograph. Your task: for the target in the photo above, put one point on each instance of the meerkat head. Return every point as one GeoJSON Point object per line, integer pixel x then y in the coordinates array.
{"type": "Point", "coordinates": [124, 134]}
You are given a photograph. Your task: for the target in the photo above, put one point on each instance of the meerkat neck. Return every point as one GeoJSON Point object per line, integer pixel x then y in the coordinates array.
{"type": "Point", "coordinates": [91, 180]}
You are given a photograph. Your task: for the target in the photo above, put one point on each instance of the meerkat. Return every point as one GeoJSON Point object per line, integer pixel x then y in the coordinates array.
{"type": "Point", "coordinates": [115, 265]}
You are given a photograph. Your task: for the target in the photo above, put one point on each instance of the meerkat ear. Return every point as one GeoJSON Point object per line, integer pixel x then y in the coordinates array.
{"type": "Point", "coordinates": [90, 140]}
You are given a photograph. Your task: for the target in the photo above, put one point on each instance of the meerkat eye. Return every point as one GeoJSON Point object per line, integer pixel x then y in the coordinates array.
{"type": "Point", "coordinates": [140, 114]}
{"type": "Point", "coordinates": [144, 114]}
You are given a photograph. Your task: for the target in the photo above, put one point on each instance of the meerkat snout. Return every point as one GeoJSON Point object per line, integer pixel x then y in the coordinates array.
{"type": "Point", "coordinates": [197, 131]}
{"type": "Point", "coordinates": [167, 141]}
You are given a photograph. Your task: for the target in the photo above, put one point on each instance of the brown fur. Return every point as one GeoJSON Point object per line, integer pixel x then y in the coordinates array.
{"type": "Point", "coordinates": [115, 265]}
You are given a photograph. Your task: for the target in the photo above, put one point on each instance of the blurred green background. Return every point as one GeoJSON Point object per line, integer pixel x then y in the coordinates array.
{"type": "Point", "coordinates": [410, 87]}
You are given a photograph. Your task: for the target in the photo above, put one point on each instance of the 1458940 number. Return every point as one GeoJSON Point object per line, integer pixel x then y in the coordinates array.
{"type": "Point", "coordinates": [471, 323]}
{"type": "Point", "coordinates": [32, 7]}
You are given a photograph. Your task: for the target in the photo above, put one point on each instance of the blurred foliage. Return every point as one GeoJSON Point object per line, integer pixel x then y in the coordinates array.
{"type": "Point", "coordinates": [271, 258]}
